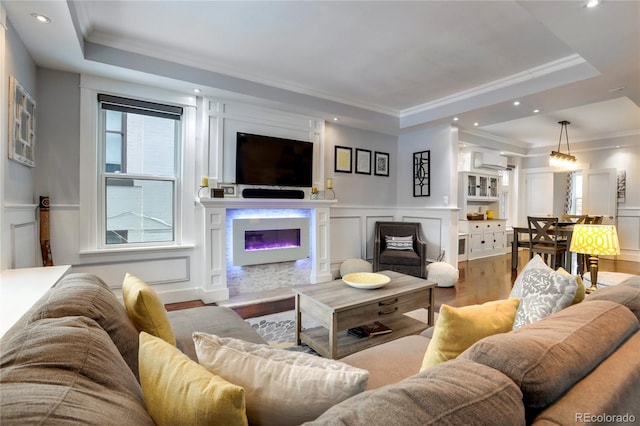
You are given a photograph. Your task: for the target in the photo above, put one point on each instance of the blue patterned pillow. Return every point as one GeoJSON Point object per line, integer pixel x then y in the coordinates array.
{"type": "Point", "coordinates": [542, 292]}
{"type": "Point", "coordinates": [399, 243]}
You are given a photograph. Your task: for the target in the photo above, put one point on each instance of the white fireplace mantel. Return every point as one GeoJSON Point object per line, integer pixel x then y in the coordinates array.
{"type": "Point", "coordinates": [264, 203]}
{"type": "Point", "coordinates": [215, 217]}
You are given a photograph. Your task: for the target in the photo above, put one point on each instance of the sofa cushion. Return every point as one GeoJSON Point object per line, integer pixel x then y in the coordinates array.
{"type": "Point", "coordinates": [458, 392]}
{"type": "Point", "coordinates": [282, 387]}
{"type": "Point", "coordinates": [87, 295]}
{"type": "Point", "coordinates": [612, 389]}
{"type": "Point", "coordinates": [548, 357]}
{"type": "Point", "coordinates": [390, 362]}
{"type": "Point", "coordinates": [400, 257]}
{"type": "Point", "coordinates": [459, 328]}
{"type": "Point", "coordinates": [178, 391]}
{"type": "Point", "coordinates": [625, 294]}
{"type": "Point", "coordinates": [542, 291]}
{"type": "Point", "coordinates": [145, 309]}
{"type": "Point", "coordinates": [218, 320]}
{"type": "Point", "coordinates": [65, 371]}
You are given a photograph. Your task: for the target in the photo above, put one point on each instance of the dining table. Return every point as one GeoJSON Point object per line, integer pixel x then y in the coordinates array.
{"type": "Point", "coordinates": [564, 229]}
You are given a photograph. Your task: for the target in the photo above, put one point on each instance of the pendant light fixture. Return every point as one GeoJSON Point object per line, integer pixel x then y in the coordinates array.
{"type": "Point", "coordinates": [557, 158]}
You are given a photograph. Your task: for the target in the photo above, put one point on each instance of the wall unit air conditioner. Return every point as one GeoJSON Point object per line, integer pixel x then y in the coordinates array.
{"type": "Point", "coordinates": [489, 160]}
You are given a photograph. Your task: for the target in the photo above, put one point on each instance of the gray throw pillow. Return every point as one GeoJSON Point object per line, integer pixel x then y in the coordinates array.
{"type": "Point", "coordinates": [542, 292]}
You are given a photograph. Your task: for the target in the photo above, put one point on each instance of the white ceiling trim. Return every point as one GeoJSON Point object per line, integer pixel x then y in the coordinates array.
{"type": "Point", "coordinates": [524, 76]}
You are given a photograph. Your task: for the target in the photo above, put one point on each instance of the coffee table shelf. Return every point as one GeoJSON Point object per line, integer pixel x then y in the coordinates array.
{"type": "Point", "coordinates": [318, 337]}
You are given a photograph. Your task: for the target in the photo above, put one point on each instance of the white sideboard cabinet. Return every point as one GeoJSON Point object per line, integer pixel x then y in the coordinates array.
{"type": "Point", "coordinates": [485, 237]}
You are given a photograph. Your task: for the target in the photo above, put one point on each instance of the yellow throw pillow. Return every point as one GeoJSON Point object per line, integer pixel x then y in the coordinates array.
{"type": "Point", "coordinates": [459, 328]}
{"type": "Point", "coordinates": [580, 292]}
{"type": "Point", "coordinates": [145, 309]}
{"type": "Point", "coordinates": [179, 391]}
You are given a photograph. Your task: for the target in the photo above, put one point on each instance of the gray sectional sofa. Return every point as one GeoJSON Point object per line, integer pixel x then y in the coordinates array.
{"type": "Point", "coordinates": [73, 359]}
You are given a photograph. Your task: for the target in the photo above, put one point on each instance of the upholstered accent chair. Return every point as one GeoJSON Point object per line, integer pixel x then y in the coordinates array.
{"type": "Point", "coordinates": [395, 251]}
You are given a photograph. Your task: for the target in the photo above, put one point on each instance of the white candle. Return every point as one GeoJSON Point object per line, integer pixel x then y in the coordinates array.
{"type": "Point", "coordinates": [329, 183]}
{"type": "Point", "coordinates": [204, 181]}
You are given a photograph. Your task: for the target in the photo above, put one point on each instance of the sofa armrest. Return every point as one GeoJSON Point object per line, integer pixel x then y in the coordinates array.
{"type": "Point", "coordinates": [218, 320]}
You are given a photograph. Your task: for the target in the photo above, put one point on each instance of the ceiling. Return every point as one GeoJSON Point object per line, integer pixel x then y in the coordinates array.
{"type": "Point", "coordinates": [389, 66]}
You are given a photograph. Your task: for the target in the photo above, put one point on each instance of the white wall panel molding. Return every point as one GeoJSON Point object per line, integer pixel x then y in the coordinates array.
{"type": "Point", "coordinates": [20, 236]}
{"type": "Point", "coordinates": [24, 245]}
{"type": "Point", "coordinates": [170, 276]}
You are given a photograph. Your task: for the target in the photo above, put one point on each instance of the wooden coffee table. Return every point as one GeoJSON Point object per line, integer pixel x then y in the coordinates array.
{"type": "Point", "coordinates": [338, 307]}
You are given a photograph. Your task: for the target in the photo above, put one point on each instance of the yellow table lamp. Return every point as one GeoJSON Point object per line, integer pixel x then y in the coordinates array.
{"type": "Point", "coordinates": [594, 241]}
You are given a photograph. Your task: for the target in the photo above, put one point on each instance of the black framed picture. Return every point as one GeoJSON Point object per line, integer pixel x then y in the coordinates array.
{"type": "Point", "coordinates": [363, 161]}
{"type": "Point", "coordinates": [381, 164]}
{"type": "Point", "coordinates": [421, 174]}
{"type": "Point", "coordinates": [342, 160]}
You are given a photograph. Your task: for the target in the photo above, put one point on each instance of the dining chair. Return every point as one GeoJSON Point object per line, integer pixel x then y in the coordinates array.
{"type": "Point", "coordinates": [593, 220]}
{"type": "Point", "coordinates": [545, 242]}
{"type": "Point", "coordinates": [574, 218]}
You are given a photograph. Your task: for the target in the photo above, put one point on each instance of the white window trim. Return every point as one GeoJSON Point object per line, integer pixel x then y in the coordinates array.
{"type": "Point", "coordinates": [90, 215]}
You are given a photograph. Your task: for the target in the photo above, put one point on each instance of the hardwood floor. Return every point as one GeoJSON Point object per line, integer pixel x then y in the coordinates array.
{"type": "Point", "coordinates": [480, 281]}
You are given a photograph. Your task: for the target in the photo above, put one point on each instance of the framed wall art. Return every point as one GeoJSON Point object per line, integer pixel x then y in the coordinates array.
{"type": "Point", "coordinates": [22, 124]}
{"type": "Point", "coordinates": [381, 164]}
{"type": "Point", "coordinates": [421, 174]}
{"type": "Point", "coordinates": [342, 161]}
{"type": "Point", "coordinates": [363, 161]}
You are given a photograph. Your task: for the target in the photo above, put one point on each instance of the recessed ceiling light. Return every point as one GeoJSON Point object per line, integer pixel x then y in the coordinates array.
{"type": "Point", "coordinates": [455, 119]}
{"type": "Point", "coordinates": [196, 90]}
{"type": "Point", "coordinates": [476, 124]}
{"type": "Point", "coordinates": [535, 111]}
{"type": "Point", "coordinates": [41, 18]}
{"type": "Point", "coordinates": [592, 3]}
{"type": "Point", "coordinates": [516, 103]}
{"type": "Point", "coordinates": [336, 119]}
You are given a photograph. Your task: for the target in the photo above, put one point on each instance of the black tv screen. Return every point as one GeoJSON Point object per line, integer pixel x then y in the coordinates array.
{"type": "Point", "coordinates": [266, 160]}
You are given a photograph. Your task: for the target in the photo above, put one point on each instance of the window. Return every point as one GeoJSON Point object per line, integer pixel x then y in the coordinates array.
{"type": "Point", "coordinates": [140, 146]}
{"type": "Point", "coordinates": [577, 193]}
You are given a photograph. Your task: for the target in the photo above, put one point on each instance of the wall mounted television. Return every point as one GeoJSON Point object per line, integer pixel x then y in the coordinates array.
{"type": "Point", "coordinates": [271, 161]}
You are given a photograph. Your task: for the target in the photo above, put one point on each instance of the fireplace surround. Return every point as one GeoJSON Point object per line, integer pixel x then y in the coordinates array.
{"type": "Point", "coordinates": [314, 267]}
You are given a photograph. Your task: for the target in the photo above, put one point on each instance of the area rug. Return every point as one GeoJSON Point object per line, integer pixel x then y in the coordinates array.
{"type": "Point", "coordinates": [279, 329]}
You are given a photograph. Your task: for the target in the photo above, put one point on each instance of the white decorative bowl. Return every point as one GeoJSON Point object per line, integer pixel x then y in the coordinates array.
{"type": "Point", "coordinates": [366, 280]}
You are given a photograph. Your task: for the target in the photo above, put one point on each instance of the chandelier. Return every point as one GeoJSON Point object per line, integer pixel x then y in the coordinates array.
{"type": "Point", "coordinates": [557, 158]}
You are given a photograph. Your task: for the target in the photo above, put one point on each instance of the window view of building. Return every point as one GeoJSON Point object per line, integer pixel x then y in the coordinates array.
{"type": "Point", "coordinates": [140, 172]}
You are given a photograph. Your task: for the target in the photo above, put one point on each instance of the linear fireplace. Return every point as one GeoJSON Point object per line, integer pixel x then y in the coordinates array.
{"type": "Point", "coordinates": [268, 240]}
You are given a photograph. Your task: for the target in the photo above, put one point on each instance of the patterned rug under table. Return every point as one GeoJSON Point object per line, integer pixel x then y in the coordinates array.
{"type": "Point", "coordinates": [279, 329]}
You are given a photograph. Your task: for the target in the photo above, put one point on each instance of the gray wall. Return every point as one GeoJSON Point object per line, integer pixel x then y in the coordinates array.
{"type": "Point", "coordinates": [19, 180]}
{"type": "Point", "coordinates": [355, 189]}
{"type": "Point", "coordinates": [57, 174]}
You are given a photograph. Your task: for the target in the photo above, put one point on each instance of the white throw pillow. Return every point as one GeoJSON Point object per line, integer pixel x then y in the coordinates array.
{"type": "Point", "coordinates": [542, 292]}
{"type": "Point", "coordinates": [399, 243]}
{"type": "Point", "coordinates": [281, 387]}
